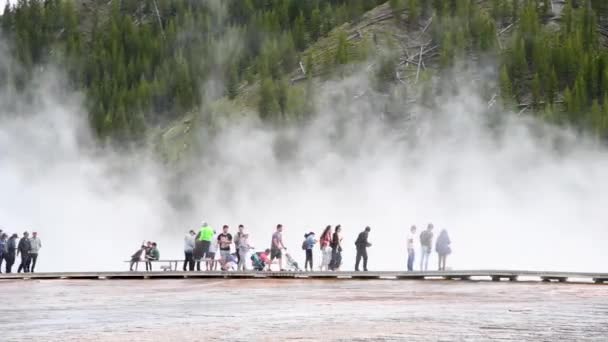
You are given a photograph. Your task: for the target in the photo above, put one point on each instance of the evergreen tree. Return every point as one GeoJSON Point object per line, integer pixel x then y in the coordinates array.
{"type": "Point", "coordinates": [342, 49]}
{"type": "Point", "coordinates": [506, 92]}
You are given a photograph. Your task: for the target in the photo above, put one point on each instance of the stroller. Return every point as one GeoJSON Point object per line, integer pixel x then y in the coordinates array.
{"type": "Point", "coordinates": [256, 261]}
{"type": "Point", "coordinates": [292, 265]}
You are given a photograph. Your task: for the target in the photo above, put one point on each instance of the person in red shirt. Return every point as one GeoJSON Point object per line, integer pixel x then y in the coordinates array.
{"type": "Point", "coordinates": [324, 241]}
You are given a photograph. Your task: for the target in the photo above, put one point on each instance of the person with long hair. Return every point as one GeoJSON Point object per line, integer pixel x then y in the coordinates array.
{"type": "Point", "coordinates": [443, 249]}
{"type": "Point", "coordinates": [336, 249]}
{"type": "Point", "coordinates": [325, 242]}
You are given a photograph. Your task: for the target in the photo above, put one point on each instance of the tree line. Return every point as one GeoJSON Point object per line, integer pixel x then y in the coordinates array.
{"type": "Point", "coordinates": [144, 62]}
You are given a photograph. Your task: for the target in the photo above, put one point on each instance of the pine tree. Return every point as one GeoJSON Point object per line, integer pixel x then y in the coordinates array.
{"type": "Point", "coordinates": [299, 32]}
{"type": "Point", "coordinates": [506, 92]}
{"type": "Point", "coordinates": [342, 50]}
{"type": "Point", "coordinates": [268, 105]}
{"type": "Point", "coordinates": [315, 24]}
{"type": "Point", "coordinates": [536, 91]}
{"type": "Point", "coordinates": [413, 15]}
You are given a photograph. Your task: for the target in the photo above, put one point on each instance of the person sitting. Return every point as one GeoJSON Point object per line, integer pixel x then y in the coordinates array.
{"type": "Point", "coordinates": [153, 255]}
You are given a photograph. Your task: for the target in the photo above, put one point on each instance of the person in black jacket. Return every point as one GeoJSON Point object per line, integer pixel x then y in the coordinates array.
{"type": "Point", "coordinates": [362, 245]}
{"type": "Point", "coordinates": [24, 248]}
{"type": "Point", "coordinates": [11, 247]}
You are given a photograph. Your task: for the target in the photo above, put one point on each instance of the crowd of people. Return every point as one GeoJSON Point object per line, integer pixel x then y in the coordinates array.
{"type": "Point", "coordinates": [12, 247]}
{"type": "Point", "coordinates": [223, 251]}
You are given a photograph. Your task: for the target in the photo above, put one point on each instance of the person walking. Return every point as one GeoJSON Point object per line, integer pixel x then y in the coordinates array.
{"type": "Point", "coordinates": [202, 244]}
{"type": "Point", "coordinates": [443, 249]}
{"type": "Point", "coordinates": [309, 244]}
{"type": "Point", "coordinates": [277, 247]}
{"type": "Point", "coordinates": [411, 254]}
{"type": "Point", "coordinates": [237, 241]}
{"type": "Point", "coordinates": [24, 249]}
{"type": "Point", "coordinates": [243, 251]}
{"type": "Point", "coordinates": [189, 244]}
{"type": "Point", "coordinates": [11, 249]}
{"type": "Point", "coordinates": [225, 241]}
{"type": "Point", "coordinates": [426, 243]}
{"type": "Point", "coordinates": [336, 249]}
{"type": "Point", "coordinates": [3, 248]}
{"type": "Point", "coordinates": [35, 245]}
{"type": "Point", "coordinates": [325, 242]}
{"type": "Point", "coordinates": [362, 243]}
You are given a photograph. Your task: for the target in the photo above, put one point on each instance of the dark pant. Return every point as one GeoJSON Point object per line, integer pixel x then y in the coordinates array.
{"type": "Point", "coordinates": [361, 253]}
{"type": "Point", "coordinates": [411, 255]}
{"type": "Point", "coordinates": [25, 263]}
{"type": "Point", "coordinates": [1, 258]}
{"type": "Point", "coordinates": [148, 266]}
{"type": "Point", "coordinates": [189, 261]}
{"type": "Point", "coordinates": [33, 258]}
{"type": "Point", "coordinates": [10, 261]}
{"type": "Point", "coordinates": [308, 259]}
{"type": "Point", "coordinates": [336, 259]}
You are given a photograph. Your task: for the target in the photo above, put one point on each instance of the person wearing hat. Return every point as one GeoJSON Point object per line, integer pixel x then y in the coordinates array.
{"type": "Point", "coordinates": [361, 243]}
{"type": "Point", "coordinates": [35, 246]}
{"type": "Point", "coordinates": [308, 245]}
{"type": "Point", "coordinates": [24, 249]}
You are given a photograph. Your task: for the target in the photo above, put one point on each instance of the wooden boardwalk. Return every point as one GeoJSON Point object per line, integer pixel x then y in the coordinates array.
{"type": "Point", "coordinates": [493, 275]}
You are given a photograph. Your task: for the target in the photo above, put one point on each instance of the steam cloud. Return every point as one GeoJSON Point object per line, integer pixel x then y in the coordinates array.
{"type": "Point", "coordinates": [518, 195]}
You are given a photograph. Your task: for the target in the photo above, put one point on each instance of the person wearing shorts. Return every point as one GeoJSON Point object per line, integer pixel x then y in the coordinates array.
{"type": "Point", "coordinates": [277, 246]}
{"type": "Point", "coordinates": [224, 241]}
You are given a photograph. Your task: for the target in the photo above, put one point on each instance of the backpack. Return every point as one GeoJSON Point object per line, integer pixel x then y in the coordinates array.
{"type": "Point", "coordinates": [304, 245]}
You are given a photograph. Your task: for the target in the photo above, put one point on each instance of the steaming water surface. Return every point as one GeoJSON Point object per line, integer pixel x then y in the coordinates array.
{"type": "Point", "coordinates": [274, 310]}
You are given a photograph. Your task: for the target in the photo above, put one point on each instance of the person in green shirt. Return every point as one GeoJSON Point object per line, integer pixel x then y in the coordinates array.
{"type": "Point", "coordinates": [202, 243]}
{"type": "Point", "coordinates": [154, 254]}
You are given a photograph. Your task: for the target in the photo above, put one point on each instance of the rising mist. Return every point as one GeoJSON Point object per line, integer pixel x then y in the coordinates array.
{"type": "Point", "coordinates": [513, 193]}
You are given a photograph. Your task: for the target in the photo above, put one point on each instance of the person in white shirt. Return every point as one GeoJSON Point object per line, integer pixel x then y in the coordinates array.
{"type": "Point", "coordinates": [211, 262]}
{"type": "Point", "coordinates": [411, 255]}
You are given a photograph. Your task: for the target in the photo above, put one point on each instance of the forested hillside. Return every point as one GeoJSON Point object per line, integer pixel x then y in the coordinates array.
{"type": "Point", "coordinates": [144, 63]}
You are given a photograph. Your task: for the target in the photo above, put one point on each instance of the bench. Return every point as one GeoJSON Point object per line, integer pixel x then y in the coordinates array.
{"type": "Point", "coordinates": [171, 264]}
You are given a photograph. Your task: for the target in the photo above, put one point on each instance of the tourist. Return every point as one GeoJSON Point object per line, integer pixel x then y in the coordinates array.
{"type": "Point", "coordinates": [148, 256]}
{"type": "Point", "coordinates": [152, 255]}
{"type": "Point", "coordinates": [225, 241]}
{"type": "Point", "coordinates": [3, 248]}
{"type": "Point", "coordinates": [189, 245]}
{"type": "Point", "coordinates": [11, 248]}
{"type": "Point", "coordinates": [411, 255]}
{"type": "Point", "coordinates": [276, 247]}
{"type": "Point", "coordinates": [211, 264]}
{"type": "Point", "coordinates": [325, 242]}
{"type": "Point", "coordinates": [443, 249]}
{"type": "Point", "coordinates": [243, 251]}
{"type": "Point", "coordinates": [426, 243]}
{"type": "Point", "coordinates": [35, 245]}
{"type": "Point", "coordinates": [202, 244]}
{"type": "Point", "coordinates": [309, 244]}
{"type": "Point", "coordinates": [237, 241]}
{"type": "Point", "coordinates": [265, 257]}
{"type": "Point", "coordinates": [136, 257]}
{"type": "Point", "coordinates": [362, 243]}
{"type": "Point", "coordinates": [336, 249]}
{"type": "Point", "coordinates": [24, 249]}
